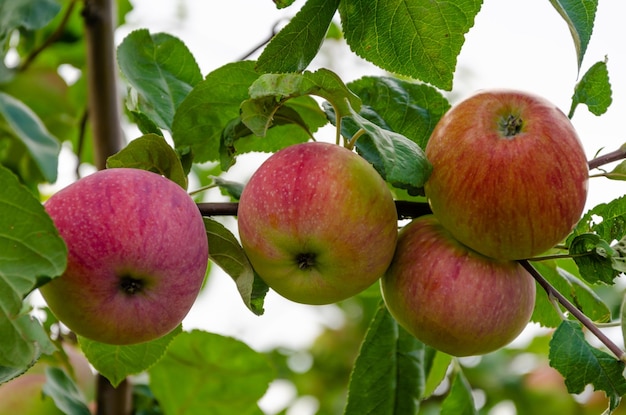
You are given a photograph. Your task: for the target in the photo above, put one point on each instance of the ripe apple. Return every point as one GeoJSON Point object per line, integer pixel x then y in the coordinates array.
{"type": "Point", "coordinates": [137, 256]}
{"type": "Point", "coordinates": [451, 297]}
{"type": "Point", "coordinates": [318, 223]}
{"type": "Point", "coordinates": [509, 174]}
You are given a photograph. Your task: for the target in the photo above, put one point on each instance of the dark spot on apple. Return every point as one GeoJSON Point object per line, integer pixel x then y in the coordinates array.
{"type": "Point", "coordinates": [306, 260]}
{"type": "Point", "coordinates": [131, 285]}
{"type": "Point", "coordinates": [511, 125]}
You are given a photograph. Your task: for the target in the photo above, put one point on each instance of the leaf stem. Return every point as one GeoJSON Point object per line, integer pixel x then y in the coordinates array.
{"type": "Point", "coordinates": [580, 316]}
{"type": "Point", "coordinates": [350, 145]}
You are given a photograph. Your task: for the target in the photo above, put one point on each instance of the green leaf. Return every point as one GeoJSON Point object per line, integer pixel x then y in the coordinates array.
{"type": "Point", "coordinates": [388, 376]}
{"type": "Point", "coordinates": [581, 364]}
{"type": "Point", "coordinates": [209, 107]}
{"type": "Point", "coordinates": [27, 14]}
{"type": "Point", "coordinates": [205, 373]}
{"type": "Point", "coordinates": [593, 90]}
{"type": "Point", "coordinates": [579, 16]}
{"type": "Point", "coordinates": [281, 4]}
{"type": "Point", "coordinates": [437, 371]}
{"type": "Point", "coordinates": [572, 288]}
{"type": "Point", "coordinates": [323, 83]}
{"type": "Point", "coordinates": [420, 39]}
{"type": "Point", "coordinates": [32, 251]}
{"type": "Point", "coordinates": [400, 161]}
{"type": "Point", "coordinates": [459, 400]}
{"type": "Point", "coordinates": [607, 220]}
{"type": "Point", "coordinates": [162, 71]}
{"type": "Point", "coordinates": [117, 362]}
{"type": "Point", "coordinates": [24, 124]}
{"type": "Point", "coordinates": [228, 254]}
{"type": "Point", "coordinates": [295, 46]}
{"type": "Point", "coordinates": [151, 152]}
{"type": "Point", "coordinates": [596, 259]}
{"type": "Point", "coordinates": [408, 108]}
{"type": "Point", "coordinates": [66, 395]}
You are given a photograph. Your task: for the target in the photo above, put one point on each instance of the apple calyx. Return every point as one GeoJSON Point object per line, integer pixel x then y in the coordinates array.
{"type": "Point", "coordinates": [305, 260]}
{"type": "Point", "coordinates": [511, 125]}
{"type": "Point", "coordinates": [131, 285]}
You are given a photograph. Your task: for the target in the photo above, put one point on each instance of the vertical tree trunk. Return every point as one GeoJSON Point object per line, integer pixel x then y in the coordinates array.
{"type": "Point", "coordinates": [104, 114]}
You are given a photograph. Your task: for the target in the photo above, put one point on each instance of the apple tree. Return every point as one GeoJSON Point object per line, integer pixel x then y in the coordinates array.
{"type": "Point", "coordinates": [61, 79]}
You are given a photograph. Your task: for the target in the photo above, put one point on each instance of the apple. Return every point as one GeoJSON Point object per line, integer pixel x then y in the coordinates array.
{"type": "Point", "coordinates": [137, 256]}
{"type": "Point", "coordinates": [509, 174]}
{"type": "Point", "coordinates": [318, 223]}
{"type": "Point", "coordinates": [451, 297]}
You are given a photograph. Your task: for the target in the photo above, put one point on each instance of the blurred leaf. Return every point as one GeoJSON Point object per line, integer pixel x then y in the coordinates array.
{"type": "Point", "coordinates": [579, 16]}
{"type": "Point", "coordinates": [27, 14]}
{"type": "Point", "coordinates": [227, 253]}
{"type": "Point", "coordinates": [161, 69]}
{"type": "Point", "coordinates": [66, 395]}
{"type": "Point", "coordinates": [24, 124]}
{"type": "Point", "coordinates": [389, 373]}
{"type": "Point", "coordinates": [32, 251]}
{"type": "Point", "coordinates": [593, 90]}
{"type": "Point", "coordinates": [572, 288]}
{"type": "Point", "coordinates": [459, 400]}
{"type": "Point", "coordinates": [281, 4]}
{"type": "Point", "coordinates": [596, 259]}
{"type": "Point", "coordinates": [623, 318]}
{"type": "Point", "coordinates": [408, 108]}
{"type": "Point", "coordinates": [209, 107]}
{"type": "Point", "coordinates": [400, 161]}
{"type": "Point", "coordinates": [117, 362]}
{"type": "Point", "coordinates": [295, 46]}
{"type": "Point", "coordinates": [151, 152]}
{"type": "Point", "coordinates": [420, 39]}
{"type": "Point", "coordinates": [205, 373]}
{"type": "Point", "coordinates": [437, 371]}
{"type": "Point", "coordinates": [228, 187]}
{"type": "Point", "coordinates": [581, 364]}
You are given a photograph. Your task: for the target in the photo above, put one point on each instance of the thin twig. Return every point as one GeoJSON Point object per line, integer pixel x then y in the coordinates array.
{"type": "Point", "coordinates": [580, 316]}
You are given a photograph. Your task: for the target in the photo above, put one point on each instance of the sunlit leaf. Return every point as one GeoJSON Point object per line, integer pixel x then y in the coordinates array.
{"type": "Point", "coordinates": [582, 365]}
{"type": "Point", "coordinates": [420, 39]}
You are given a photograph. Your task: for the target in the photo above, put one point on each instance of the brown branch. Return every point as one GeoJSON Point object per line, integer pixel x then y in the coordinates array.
{"type": "Point", "coordinates": [406, 209]}
{"type": "Point", "coordinates": [618, 154]}
{"type": "Point", "coordinates": [580, 316]}
{"type": "Point", "coordinates": [104, 105]}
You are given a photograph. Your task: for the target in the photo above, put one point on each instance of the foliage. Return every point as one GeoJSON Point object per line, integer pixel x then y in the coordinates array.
{"type": "Point", "coordinates": [192, 124]}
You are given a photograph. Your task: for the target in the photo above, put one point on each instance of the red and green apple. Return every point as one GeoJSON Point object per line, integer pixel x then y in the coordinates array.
{"type": "Point", "coordinates": [318, 223]}
{"type": "Point", "coordinates": [509, 174]}
{"type": "Point", "coordinates": [453, 298]}
{"type": "Point", "coordinates": [137, 256]}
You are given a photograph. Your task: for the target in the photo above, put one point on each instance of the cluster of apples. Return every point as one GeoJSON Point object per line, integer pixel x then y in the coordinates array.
{"type": "Point", "coordinates": [509, 182]}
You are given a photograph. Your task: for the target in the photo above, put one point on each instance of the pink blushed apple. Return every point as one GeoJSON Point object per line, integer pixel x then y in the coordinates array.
{"type": "Point", "coordinates": [138, 254]}
{"type": "Point", "coordinates": [318, 223]}
{"type": "Point", "coordinates": [453, 298]}
{"type": "Point", "coordinates": [509, 174]}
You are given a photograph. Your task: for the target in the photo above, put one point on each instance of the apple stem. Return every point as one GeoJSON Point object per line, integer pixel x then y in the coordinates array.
{"type": "Point", "coordinates": [350, 145]}
{"type": "Point", "coordinates": [580, 316]}
{"type": "Point", "coordinates": [615, 155]}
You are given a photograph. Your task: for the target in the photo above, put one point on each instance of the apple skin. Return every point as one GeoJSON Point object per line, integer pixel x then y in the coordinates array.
{"type": "Point", "coordinates": [137, 256]}
{"type": "Point", "coordinates": [318, 223]}
{"type": "Point", "coordinates": [451, 297]}
{"type": "Point", "coordinates": [507, 197]}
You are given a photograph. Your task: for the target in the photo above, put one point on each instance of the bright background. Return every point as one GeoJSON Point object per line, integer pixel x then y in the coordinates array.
{"type": "Point", "coordinates": [513, 44]}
